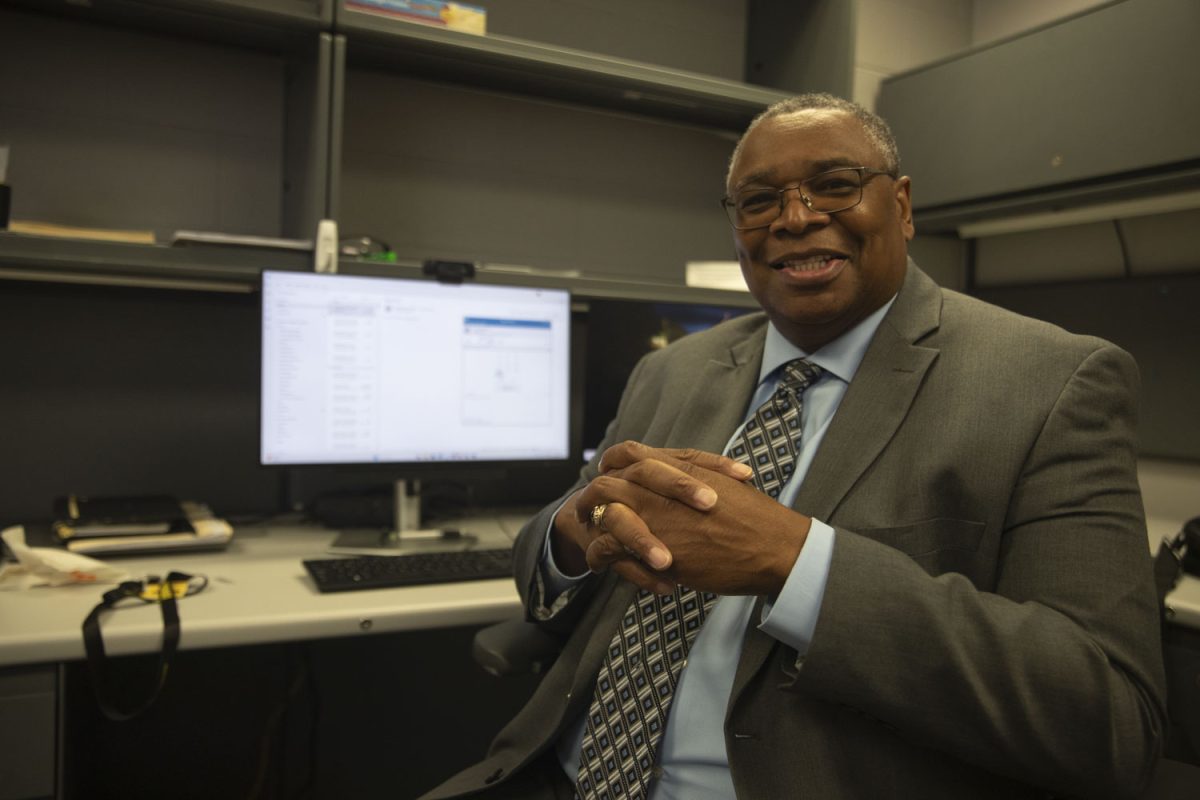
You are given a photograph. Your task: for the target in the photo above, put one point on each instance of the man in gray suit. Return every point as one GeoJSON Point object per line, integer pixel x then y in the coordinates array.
{"type": "Point", "coordinates": [938, 586]}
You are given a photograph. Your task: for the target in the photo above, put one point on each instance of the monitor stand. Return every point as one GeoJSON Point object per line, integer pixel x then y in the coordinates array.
{"type": "Point", "coordinates": [405, 536]}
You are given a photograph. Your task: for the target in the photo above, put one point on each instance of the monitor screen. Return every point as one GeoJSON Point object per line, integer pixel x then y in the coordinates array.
{"type": "Point", "coordinates": [369, 370]}
{"type": "Point", "coordinates": [619, 332]}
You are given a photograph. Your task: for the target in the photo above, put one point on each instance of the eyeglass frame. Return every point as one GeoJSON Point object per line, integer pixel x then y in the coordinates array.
{"type": "Point", "coordinates": [864, 173]}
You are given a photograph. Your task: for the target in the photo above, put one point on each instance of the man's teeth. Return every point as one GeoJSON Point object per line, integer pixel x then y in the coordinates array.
{"type": "Point", "coordinates": [805, 265]}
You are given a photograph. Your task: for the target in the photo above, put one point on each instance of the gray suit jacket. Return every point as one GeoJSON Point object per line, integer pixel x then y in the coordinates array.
{"type": "Point", "coordinates": [990, 622]}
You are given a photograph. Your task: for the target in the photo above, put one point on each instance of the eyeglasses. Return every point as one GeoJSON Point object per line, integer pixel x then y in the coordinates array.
{"type": "Point", "coordinates": [824, 193]}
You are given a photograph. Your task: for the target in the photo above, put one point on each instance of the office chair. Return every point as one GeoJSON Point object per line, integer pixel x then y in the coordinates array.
{"type": "Point", "coordinates": [514, 647]}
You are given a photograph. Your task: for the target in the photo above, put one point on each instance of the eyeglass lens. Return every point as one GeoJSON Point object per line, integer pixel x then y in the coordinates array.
{"type": "Point", "coordinates": [824, 193]}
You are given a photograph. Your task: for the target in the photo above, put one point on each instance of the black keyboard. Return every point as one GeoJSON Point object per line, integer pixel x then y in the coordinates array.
{"type": "Point", "coordinates": [378, 572]}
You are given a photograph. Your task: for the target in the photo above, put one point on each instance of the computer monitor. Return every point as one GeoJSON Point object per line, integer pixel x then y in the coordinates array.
{"type": "Point", "coordinates": [619, 332]}
{"type": "Point", "coordinates": [411, 373]}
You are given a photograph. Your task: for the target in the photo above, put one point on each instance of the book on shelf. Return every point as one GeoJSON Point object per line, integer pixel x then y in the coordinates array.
{"type": "Point", "coordinates": [441, 13]}
{"type": "Point", "coordinates": [35, 228]}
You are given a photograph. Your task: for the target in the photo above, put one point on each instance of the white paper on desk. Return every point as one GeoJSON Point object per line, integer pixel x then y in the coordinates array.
{"type": "Point", "coordinates": [49, 566]}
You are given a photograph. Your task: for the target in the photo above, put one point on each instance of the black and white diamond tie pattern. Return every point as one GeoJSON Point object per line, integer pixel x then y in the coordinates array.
{"type": "Point", "coordinates": [628, 714]}
{"type": "Point", "coordinates": [770, 440]}
{"type": "Point", "coordinates": [633, 691]}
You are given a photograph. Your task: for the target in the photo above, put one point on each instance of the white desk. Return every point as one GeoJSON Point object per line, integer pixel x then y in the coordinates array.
{"type": "Point", "coordinates": [258, 592]}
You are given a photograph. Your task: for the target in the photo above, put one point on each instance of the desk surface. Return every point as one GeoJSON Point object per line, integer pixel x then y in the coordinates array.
{"type": "Point", "coordinates": [258, 592]}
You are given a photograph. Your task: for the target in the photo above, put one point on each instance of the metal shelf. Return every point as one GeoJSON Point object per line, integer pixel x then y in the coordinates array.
{"type": "Point", "coordinates": [582, 287]}
{"type": "Point", "coordinates": [237, 269]}
{"type": "Point", "coordinates": [502, 63]}
{"type": "Point", "coordinates": [199, 267]}
{"type": "Point", "coordinates": [1149, 183]}
{"type": "Point", "coordinates": [303, 28]}
{"type": "Point", "coordinates": [272, 24]}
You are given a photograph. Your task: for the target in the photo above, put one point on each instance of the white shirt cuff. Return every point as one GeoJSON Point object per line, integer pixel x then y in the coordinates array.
{"type": "Point", "coordinates": [552, 589]}
{"type": "Point", "coordinates": [792, 618]}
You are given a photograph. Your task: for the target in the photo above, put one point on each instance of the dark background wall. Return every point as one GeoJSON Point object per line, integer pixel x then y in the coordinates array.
{"type": "Point", "coordinates": [120, 390]}
{"type": "Point", "coordinates": [1155, 319]}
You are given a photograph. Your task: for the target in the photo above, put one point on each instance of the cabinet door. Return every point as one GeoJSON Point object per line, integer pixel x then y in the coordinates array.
{"type": "Point", "coordinates": [28, 731]}
{"type": "Point", "coordinates": [1105, 93]}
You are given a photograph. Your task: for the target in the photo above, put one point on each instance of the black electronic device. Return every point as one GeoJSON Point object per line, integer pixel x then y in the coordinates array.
{"type": "Point", "coordinates": [449, 271]}
{"type": "Point", "coordinates": [412, 378]}
{"type": "Point", "coordinates": [379, 572]}
{"type": "Point", "coordinates": [619, 332]}
{"type": "Point", "coordinates": [1190, 560]}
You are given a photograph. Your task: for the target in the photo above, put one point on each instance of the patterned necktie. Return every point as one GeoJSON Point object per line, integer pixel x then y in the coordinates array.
{"type": "Point", "coordinates": [628, 714]}
{"type": "Point", "coordinates": [770, 440]}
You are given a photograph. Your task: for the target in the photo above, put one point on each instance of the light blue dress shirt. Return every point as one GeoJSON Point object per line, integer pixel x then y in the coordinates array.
{"type": "Point", "coordinates": [692, 763]}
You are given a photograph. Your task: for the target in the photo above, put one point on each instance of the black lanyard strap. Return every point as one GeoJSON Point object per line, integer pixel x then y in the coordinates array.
{"type": "Point", "coordinates": [164, 593]}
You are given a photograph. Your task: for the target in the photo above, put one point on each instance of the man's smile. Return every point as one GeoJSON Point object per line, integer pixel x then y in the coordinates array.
{"type": "Point", "coordinates": [810, 268]}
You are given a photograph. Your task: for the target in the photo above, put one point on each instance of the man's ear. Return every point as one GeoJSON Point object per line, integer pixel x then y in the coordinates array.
{"type": "Point", "coordinates": [903, 195]}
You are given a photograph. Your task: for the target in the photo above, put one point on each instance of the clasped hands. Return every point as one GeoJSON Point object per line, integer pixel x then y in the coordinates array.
{"type": "Point", "coordinates": [676, 516]}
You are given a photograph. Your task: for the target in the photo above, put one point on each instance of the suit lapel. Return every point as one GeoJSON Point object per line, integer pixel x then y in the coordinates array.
{"type": "Point", "coordinates": [717, 399]}
{"type": "Point", "coordinates": [874, 406]}
{"type": "Point", "coordinates": [877, 400]}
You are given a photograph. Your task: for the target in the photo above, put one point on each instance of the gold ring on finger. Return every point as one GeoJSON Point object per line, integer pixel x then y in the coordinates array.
{"type": "Point", "coordinates": [598, 513]}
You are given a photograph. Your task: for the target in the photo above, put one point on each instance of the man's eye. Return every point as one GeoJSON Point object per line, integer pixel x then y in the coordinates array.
{"type": "Point", "coordinates": [833, 186]}
{"type": "Point", "coordinates": [757, 201]}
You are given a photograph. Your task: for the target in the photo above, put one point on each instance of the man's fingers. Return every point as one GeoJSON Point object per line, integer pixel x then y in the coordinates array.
{"type": "Point", "coordinates": [622, 455]}
{"type": "Point", "coordinates": [606, 552]}
{"type": "Point", "coordinates": [663, 479]}
{"type": "Point", "coordinates": [713, 461]}
{"type": "Point", "coordinates": [585, 505]}
{"type": "Point", "coordinates": [635, 474]}
{"type": "Point", "coordinates": [636, 573]}
{"type": "Point", "coordinates": [625, 535]}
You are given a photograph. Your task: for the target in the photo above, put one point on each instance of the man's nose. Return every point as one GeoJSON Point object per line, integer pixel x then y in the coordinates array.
{"type": "Point", "coordinates": [796, 214]}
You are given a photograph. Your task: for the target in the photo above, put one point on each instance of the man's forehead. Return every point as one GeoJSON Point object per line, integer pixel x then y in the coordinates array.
{"type": "Point", "coordinates": [812, 140]}
{"type": "Point", "coordinates": [812, 118]}
{"type": "Point", "coordinates": [812, 128]}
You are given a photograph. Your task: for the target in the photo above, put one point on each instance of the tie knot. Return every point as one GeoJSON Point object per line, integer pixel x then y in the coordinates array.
{"type": "Point", "coordinates": [798, 374]}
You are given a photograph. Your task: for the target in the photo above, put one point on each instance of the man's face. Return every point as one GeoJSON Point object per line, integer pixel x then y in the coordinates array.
{"type": "Point", "coordinates": [817, 275]}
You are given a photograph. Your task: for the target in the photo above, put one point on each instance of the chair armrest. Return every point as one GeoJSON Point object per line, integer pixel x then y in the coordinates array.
{"type": "Point", "coordinates": [514, 646]}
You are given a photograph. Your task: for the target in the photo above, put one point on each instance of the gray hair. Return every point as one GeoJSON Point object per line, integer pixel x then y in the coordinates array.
{"type": "Point", "coordinates": [874, 126]}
